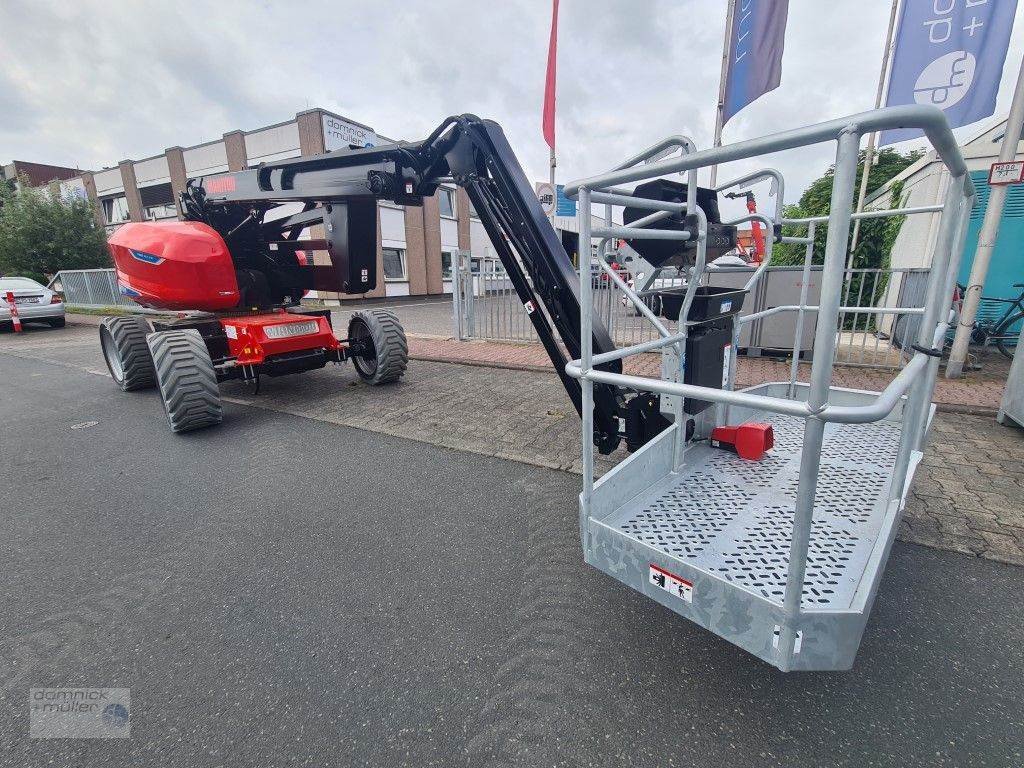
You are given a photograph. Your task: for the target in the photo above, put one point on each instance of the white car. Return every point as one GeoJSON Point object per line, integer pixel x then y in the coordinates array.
{"type": "Point", "coordinates": [35, 302]}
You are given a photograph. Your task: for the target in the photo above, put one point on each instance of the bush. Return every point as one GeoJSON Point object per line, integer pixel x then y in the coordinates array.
{"type": "Point", "coordinates": [874, 242]}
{"type": "Point", "coordinates": [42, 233]}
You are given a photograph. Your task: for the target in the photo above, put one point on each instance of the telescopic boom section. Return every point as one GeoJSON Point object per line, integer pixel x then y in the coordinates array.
{"type": "Point", "coordinates": [340, 190]}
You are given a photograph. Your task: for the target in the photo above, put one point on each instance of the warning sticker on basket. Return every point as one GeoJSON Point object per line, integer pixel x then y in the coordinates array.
{"type": "Point", "coordinates": [668, 581]}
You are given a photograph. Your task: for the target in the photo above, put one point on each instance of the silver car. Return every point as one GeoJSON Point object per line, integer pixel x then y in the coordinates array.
{"type": "Point", "coordinates": [35, 302]}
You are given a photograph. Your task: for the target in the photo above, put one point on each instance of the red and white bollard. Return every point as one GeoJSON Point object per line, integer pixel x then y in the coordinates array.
{"type": "Point", "coordinates": [13, 306]}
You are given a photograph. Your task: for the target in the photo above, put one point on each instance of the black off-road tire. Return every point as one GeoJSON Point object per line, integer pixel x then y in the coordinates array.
{"type": "Point", "coordinates": [123, 340]}
{"type": "Point", "coordinates": [186, 379]}
{"type": "Point", "coordinates": [386, 350]}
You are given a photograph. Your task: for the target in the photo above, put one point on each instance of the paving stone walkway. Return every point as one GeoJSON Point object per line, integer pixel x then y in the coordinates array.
{"type": "Point", "coordinates": [968, 494]}
{"type": "Point", "coordinates": [980, 392]}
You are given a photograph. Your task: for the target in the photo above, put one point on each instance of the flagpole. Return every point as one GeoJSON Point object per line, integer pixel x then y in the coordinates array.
{"type": "Point", "coordinates": [721, 86]}
{"type": "Point", "coordinates": [869, 153]}
{"type": "Point", "coordinates": [554, 189]}
{"type": "Point", "coordinates": [548, 120]}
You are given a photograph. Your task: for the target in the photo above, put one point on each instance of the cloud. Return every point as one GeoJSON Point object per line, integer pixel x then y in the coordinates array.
{"type": "Point", "coordinates": [92, 83]}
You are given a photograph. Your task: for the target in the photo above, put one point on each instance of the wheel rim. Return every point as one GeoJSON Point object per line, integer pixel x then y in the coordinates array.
{"type": "Point", "coordinates": [111, 356]}
{"type": "Point", "coordinates": [365, 361]}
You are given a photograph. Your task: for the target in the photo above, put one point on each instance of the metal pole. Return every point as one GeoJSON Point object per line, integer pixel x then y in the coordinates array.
{"type": "Point", "coordinates": [586, 353]}
{"type": "Point", "coordinates": [869, 153]}
{"type": "Point", "coordinates": [456, 299]}
{"type": "Point", "coordinates": [987, 237]}
{"type": "Point", "coordinates": [798, 335]}
{"type": "Point", "coordinates": [952, 224]}
{"type": "Point", "coordinates": [554, 189]}
{"type": "Point", "coordinates": [719, 123]}
{"type": "Point", "coordinates": [840, 210]}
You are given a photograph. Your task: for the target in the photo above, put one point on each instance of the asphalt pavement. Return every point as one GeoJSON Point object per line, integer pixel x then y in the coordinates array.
{"type": "Point", "coordinates": [286, 591]}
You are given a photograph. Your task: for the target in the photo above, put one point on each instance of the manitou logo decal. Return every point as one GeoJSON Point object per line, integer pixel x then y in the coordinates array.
{"type": "Point", "coordinates": [220, 184]}
{"type": "Point", "coordinates": [147, 258]}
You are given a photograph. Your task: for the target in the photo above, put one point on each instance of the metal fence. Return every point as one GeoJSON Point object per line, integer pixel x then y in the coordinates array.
{"type": "Point", "coordinates": [487, 307]}
{"type": "Point", "coordinates": [90, 288]}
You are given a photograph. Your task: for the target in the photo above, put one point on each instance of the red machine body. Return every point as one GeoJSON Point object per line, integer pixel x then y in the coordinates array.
{"type": "Point", "coordinates": [254, 338]}
{"type": "Point", "coordinates": [174, 265]}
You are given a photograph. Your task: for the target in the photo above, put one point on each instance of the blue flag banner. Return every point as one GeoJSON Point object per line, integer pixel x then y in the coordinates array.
{"type": "Point", "coordinates": [950, 54]}
{"type": "Point", "coordinates": [756, 42]}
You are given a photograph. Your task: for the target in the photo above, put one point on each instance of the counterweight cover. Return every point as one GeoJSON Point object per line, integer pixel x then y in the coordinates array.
{"type": "Point", "coordinates": [174, 265]}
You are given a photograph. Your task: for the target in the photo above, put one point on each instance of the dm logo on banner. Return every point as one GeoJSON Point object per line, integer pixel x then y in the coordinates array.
{"type": "Point", "coordinates": [949, 54]}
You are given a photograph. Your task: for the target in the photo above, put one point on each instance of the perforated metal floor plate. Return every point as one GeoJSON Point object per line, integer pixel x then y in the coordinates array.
{"type": "Point", "coordinates": [734, 518]}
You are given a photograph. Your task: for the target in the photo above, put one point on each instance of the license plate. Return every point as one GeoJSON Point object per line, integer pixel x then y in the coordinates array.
{"type": "Point", "coordinates": [287, 330]}
{"type": "Point", "coordinates": [27, 299]}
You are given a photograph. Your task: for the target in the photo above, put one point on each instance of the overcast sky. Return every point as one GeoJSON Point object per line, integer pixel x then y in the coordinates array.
{"type": "Point", "coordinates": [92, 83]}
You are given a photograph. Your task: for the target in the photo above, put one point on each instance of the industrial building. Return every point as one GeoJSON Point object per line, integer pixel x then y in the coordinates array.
{"type": "Point", "coordinates": [925, 182]}
{"type": "Point", "coordinates": [37, 174]}
{"type": "Point", "coordinates": [415, 246]}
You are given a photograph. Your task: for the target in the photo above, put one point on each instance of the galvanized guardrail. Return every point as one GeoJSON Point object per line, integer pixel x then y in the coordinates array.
{"type": "Point", "coordinates": [819, 405]}
{"type": "Point", "coordinates": [92, 288]}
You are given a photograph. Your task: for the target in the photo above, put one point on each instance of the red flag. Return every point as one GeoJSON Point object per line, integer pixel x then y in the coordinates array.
{"type": "Point", "coordinates": [549, 80]}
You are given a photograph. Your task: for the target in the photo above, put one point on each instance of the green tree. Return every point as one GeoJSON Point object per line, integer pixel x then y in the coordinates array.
{"type": "Point", "coordinates": [42, 233]}
{"type": "Point", "coordinates": [876, 237]}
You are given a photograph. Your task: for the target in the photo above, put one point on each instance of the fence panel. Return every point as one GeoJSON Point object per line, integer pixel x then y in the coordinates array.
{"type": "Point", "coordinates": [876, 339]}
{"type": "Point", "coordinates": [91, 288]}
{"type": "Point", "coordinates": [486, 306]}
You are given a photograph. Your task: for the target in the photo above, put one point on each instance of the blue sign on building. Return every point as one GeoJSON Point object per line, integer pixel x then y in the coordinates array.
{"type": "Point", "coordinates": [564, 206]}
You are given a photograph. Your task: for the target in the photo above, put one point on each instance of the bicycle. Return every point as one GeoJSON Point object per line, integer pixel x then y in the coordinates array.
{"type": "Point", "coordinates": [991, 327]}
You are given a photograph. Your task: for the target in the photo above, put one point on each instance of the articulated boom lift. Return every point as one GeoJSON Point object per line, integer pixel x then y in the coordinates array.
{"type": "Point", "coordinates": [231, 255]}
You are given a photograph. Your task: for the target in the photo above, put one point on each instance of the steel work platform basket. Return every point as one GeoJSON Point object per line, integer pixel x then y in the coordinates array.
{"type": "Point", "coordinates": [782, 556]}
{"type": "Point", "coordinates": [711, 540]}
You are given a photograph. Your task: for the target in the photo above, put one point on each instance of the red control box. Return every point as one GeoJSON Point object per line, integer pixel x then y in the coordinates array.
{"type": "Point", "coordinates": [750, 441]}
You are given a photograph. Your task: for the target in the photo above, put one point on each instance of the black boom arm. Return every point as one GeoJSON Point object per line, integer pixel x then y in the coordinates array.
{"type": "Point", "coordinates": [475, 155]}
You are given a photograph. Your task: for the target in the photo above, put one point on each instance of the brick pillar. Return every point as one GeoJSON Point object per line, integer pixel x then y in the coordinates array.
{"type": "Point", "coordinates": [415, 251]}
{"type": "Point", "coordinates": [131, 189]}
{"type": "Point", "coordinates": [176, 166]}
{"type": "Point", "coordinates": [432, 244]}
{"type": "Point", "coordinates": [462, 212]}
{"type": "Point", "coordinates": [311, 132]}
{"type": "Point", "coordinates": [234, 147]}
{"type": "Point", "coordinates": [90, 190]}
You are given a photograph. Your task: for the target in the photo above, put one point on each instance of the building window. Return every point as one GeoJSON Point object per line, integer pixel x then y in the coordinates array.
{"type": "Point", "coordinates": [394, 264]}
{"type": "Point", "coordinates": [115, 209]}
{"type": "Point", "coordinates": [155, 212]}
{"type": "Point", "coordinates": [472, 210]}
{"type": "Point", "coordinates": [158, 202]}
{"type": "Point", "coordinates": [447, 259]}
{"type": "Point", "coordinates": [446, 202]}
